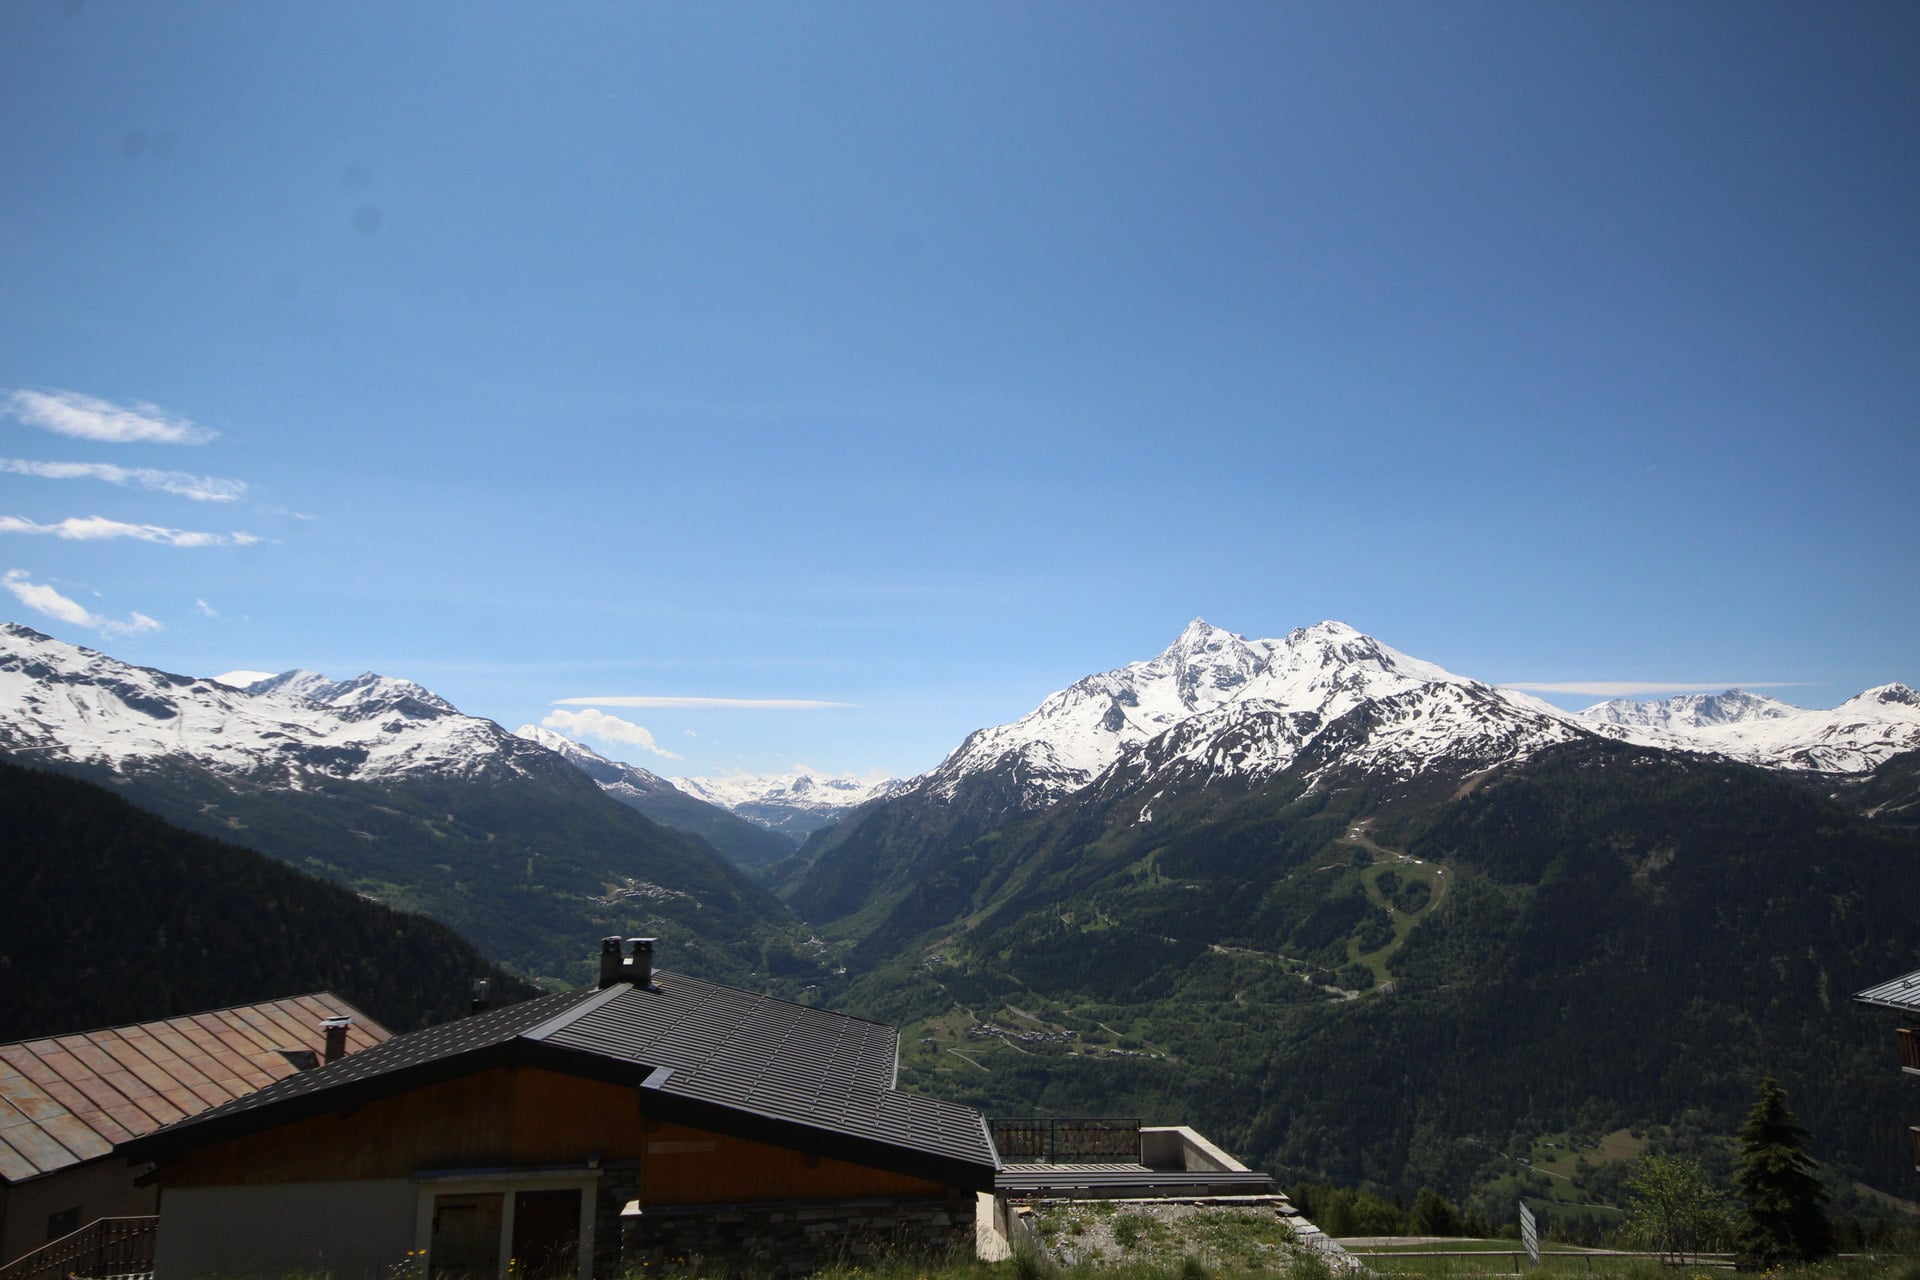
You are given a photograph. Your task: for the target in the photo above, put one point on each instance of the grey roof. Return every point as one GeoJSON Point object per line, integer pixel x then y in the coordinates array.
{"type": "Point", "coordinates": [1901, 993]}
{"type": "Point", "coordinates": [705, 1053]}
{"type": "Point", "coordinates": [786, 1062]}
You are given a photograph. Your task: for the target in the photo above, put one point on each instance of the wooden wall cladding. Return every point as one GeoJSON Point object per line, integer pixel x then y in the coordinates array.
{"type": "Point", "coordinates": [524, 1117]}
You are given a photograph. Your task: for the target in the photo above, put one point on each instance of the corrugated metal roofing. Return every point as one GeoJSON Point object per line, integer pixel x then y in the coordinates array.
{"type": "Point", "coordinates": [65, 1099]}
{"type": "Point", "coordinates": [784, 1061]}
{"type": "Point", "coordinates": [719, 1045]}
{"type": "Point", "coordinates": [1901, 993]}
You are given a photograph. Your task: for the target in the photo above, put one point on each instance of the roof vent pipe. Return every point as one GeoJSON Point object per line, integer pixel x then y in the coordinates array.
{"type": "Point", "coordinates": [336, 1033]}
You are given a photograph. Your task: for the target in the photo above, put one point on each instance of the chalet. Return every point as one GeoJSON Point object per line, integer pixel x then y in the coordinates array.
{"type": "Point", "coordinates": [582, 1133]}
{"type": "Point", "coordinates": [67, 1101]}
{"type": "Point", "coordinates": [1902, 995]}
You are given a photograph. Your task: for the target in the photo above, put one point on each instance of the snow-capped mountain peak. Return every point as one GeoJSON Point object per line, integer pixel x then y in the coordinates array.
{"type": "Point", "coordinates": [1209, 682]}
{"type": "Point", "coordinates": [794, 803]}
{"type": "Point", "coordinates": [365, 690]}
{"type": "Point", "coordinates": [1214, 705]}
{"type": "Point", "coordinates": [1886, 695]}
{"type": "Point", "coordinates": [63, 701]}
{"type": "Point", "coordinates": [1690, 710]}
{"type": "Point", "coordinates": [1854, 737]}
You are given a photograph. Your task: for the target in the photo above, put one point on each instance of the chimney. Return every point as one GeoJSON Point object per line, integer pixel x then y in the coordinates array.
{"type": "Point", "coordinates": [640, 967]}
{"type": "Point", "coordinates": [336, 1032]}
{"type": "Point", "coordinates": [635, 968]}
{"type": "Point", "coordinates": [482, 999]}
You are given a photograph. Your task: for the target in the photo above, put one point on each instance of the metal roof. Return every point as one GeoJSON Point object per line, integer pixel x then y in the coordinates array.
{"type": "Point", "coordinates": [706, 1054]}
{"type": "Point", "coordinates": [400, 1058]}
{"type": "Point", "coordinates": [66, 1099]}
{"type": "Point", "coordinates": [786, 1062]}
{"type": "Point", "coordinates": [1901, 993]}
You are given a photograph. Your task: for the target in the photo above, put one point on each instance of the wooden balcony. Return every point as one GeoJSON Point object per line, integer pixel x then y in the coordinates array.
{"type": "Point", "coordinates": [1909, 1049]}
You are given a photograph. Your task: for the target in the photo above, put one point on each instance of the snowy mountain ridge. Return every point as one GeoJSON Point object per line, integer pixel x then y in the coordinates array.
{"type": "Point", "coordinates": [795, 803]}
{"type": "Point", "coordinates": [1853, 738]}
{"type": "Point", "coordinates": [62, 701]}
{"type": "Point", "coordinates": [1216, 705]}
{"type": "Point", "coordinates": [616, 777]}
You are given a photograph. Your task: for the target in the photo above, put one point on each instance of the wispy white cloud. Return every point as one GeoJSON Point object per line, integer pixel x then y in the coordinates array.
{"type": "Point", "coordinates": [1629, 688]}
{"type": "Point", "coordinates": [45, 599]}
{"type": "Point", "coordinates": [604, 728]}
{"type": "Point", "coordinates": [100, 529]}
{"type": "Point", "coordinates": [180, 483]}
{"type": "Point", "coordinates": [649, 700]}
{"type": "Point", "coordinates": [206, 610]}
{"type": "Point", "coordinates": [73, 413]}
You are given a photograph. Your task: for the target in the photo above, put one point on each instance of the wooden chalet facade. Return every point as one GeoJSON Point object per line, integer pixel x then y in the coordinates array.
{"type": "Point", "coordinates": [67, 1101]}
{"type": "Point", "coordinates": [578, 1134]}
{"type": "Point", "coordinates": [1902, 996]}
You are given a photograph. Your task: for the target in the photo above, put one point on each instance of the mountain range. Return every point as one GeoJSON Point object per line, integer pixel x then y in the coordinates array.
{"type": "Point", "coordinates": [1215, 708]}
{"type": "Point", "coordinates": [1183, 888]}
{"type": "Point", "coordinates": [383, 786]}
{"type": "Point", "coordinates": [1369, 919]}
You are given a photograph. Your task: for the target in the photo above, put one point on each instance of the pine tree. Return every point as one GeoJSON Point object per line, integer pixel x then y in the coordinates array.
{"type": "Point", "coordinates": [1785, 1221]}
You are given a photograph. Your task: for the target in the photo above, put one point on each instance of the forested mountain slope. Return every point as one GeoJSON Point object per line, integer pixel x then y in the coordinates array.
{"type": "Point", "coordinates": [1390, 979]}
{"type": "Point", "coordinates": [112, 916]}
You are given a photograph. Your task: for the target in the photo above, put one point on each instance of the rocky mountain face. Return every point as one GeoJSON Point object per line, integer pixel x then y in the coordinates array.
{"type": "Point", "coordinates": [381, 785]}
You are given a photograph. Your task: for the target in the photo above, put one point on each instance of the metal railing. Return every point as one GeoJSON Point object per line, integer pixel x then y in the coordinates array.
{"type": "Point", "coordinates": [1066, 1141]}
{"type": "Point", "coordinates": [104, 1247]}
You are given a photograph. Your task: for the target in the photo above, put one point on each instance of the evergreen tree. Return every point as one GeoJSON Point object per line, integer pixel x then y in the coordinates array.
{"type": "Point", "coordinates": [1785, 1220]}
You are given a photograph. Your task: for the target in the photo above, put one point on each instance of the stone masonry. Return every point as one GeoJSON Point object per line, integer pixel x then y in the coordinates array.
{"type": "Point", "coordinates": [793, 1238]}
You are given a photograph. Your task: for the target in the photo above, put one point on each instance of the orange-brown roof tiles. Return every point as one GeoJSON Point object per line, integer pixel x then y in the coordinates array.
{"type": "Point", "coordinates": [65, 1099]}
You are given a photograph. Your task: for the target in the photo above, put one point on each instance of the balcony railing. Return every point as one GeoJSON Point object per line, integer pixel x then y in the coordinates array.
{"type": "Point", "coordinates": [1074, 1141]}
{"type": "Point", "coordinates": [1909, 1048]}
{"type": "Point", "coordinates": [104, 1247]}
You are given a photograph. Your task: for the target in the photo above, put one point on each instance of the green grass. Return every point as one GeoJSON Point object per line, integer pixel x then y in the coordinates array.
{"type": "Point", "coordinates": [1301, 1267]}
{"type": "Point", "coordinates": [1406, 869]}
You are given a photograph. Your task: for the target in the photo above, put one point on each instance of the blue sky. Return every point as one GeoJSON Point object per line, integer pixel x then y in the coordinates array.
{"type": "Point", "coordinates": [924, 357]}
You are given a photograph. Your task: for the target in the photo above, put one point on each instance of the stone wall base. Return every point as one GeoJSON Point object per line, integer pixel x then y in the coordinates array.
{"type": "Point", "coordinates": [792, 1238]}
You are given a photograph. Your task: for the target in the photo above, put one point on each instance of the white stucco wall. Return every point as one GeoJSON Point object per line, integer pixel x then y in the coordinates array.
{"type": "Point", "coordinates": [351, 1229]}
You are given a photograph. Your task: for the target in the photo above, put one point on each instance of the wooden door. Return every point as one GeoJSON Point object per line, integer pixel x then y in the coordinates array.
{"type": "Point", "coordinates": [466, 1237]}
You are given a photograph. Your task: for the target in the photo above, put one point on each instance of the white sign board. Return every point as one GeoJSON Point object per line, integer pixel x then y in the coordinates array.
{"type": "Point", "coordinates": [1529, 1234]}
